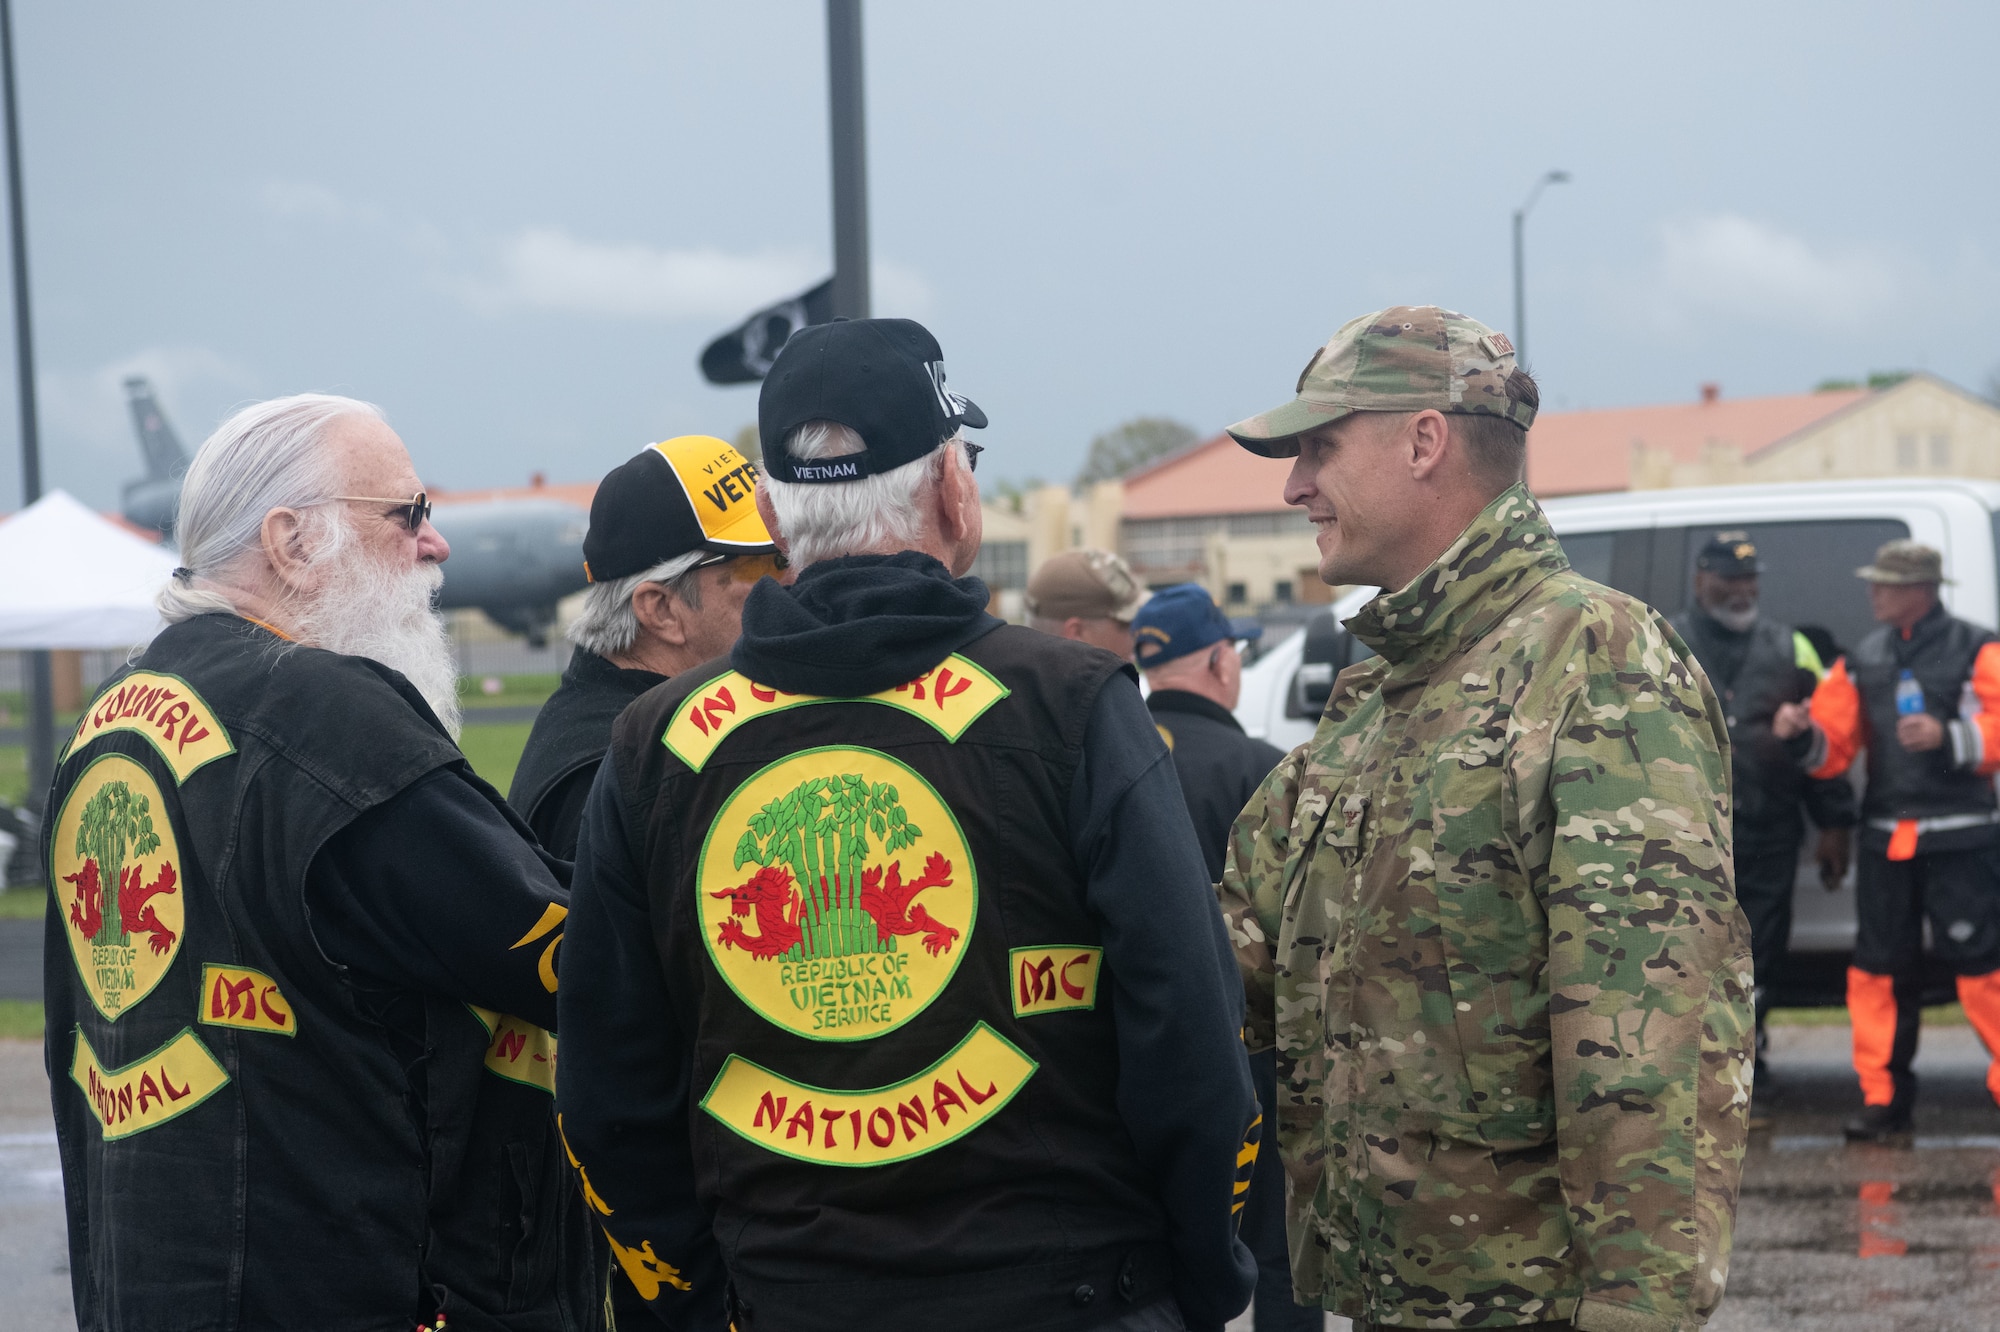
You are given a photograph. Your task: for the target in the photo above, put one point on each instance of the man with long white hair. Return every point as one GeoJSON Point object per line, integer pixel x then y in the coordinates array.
{"type": "Point", "coordinates": [897, 997]}
{"type": "Point", "coordinates": [302, 973]}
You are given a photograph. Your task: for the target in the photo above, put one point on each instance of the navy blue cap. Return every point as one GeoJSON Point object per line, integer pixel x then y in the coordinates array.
{"type": "Point", "coordinates": [1183, 619]}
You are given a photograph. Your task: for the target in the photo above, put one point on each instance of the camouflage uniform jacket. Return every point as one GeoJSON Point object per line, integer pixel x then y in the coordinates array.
{"type": "Point", "coordinates": [1489, 910]}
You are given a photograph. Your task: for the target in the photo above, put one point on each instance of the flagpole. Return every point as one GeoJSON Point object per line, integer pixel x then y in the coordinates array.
{"type": "Point", "coordinates": [850, 159]}
{"type": "Point", "coordinates": [41, 702]}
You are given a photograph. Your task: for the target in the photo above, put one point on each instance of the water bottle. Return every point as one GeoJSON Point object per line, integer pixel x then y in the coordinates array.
{"type": "Point", "coordinates": [1909, 695]}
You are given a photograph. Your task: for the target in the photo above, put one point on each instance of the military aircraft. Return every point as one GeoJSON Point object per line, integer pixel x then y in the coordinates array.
{"type": "Point", "coordinates": [511, 558]}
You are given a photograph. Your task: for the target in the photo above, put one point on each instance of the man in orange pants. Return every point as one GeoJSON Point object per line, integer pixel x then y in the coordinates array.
{"type": "Point", "coordinates": [1922, 696]}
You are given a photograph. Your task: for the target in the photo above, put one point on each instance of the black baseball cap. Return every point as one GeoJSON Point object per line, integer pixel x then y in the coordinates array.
{"type": "Point", "coordinates": [692, 492]}
{"type": "Point", "coordinates": [881, 378]}
{"type": "Point", "coordinates": [1730, 555]}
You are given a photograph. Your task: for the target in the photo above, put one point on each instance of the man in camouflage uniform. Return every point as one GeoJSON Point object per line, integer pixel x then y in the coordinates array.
{"type": "Point", "coordinates": [1486, 913]}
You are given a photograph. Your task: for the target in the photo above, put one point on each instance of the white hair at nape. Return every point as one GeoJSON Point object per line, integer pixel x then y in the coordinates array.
{"type": "Point", "coordinates": [607, 625]}
{"type": "Point", "coordinates": [270, 455]}
{"type": "Point", "coordinates": [827, 519]}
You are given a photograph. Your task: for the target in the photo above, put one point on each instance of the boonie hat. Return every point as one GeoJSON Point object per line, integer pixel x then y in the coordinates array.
{"type": "Point", "coordinates": [1904, 561]}
{"type": "Point", "coordinates": [1730, 555]}
{"type": "Point", "coordinates": [692, 492]}
{"type": "Point", "coordinates": [1089, 584]}
{"type": "Point", "coordinates": [1403, 359]}
{"type": "Point", "coordinates": [1183, 619]}
{"type": "Point", "coordinates": [881, 378]}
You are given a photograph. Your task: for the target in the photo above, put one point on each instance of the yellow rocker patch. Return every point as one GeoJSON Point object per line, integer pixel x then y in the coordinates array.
{"type": "Point", "coordinates": [117, 877]}
{"type": "Point", "coordinates": [1054, 980]}
{"type": "Point", "coordinates": [245, 999]}
{"type": "Point", "coordinates": [870, 1128]}
{"type": "Point", "coordinates": [518, 1051]}
{"type": "Point", "coordinates": [165, 710]}
{"type": "Point", "coordinates": [950, 696]}
{"type": "Point", "coordinates": [164, 1085]}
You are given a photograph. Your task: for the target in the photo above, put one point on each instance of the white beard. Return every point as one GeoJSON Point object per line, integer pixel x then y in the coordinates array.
{"type": "Point", "coordinates": [1736, 621]}
{"type": "Point", "coordinates": [367, 609]}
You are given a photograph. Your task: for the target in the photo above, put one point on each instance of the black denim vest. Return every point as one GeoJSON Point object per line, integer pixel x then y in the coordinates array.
{"type": "Point", "coordinates": [241, 1141]}
{"type": "Point", "coordinates": [905, 1062]}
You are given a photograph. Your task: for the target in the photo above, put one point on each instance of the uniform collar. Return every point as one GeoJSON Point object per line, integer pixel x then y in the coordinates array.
{"type": "Point", "coordinates": [1504, 552]}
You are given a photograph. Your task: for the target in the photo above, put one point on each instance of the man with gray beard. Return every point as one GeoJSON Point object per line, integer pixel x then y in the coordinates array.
{"type": "Point", "coordinates": [301, 982]}
{"type": "Point", "coordinates": [1764, 672]}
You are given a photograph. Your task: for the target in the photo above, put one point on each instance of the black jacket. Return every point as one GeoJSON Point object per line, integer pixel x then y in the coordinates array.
{"type": "Point", "coordinates": [279, 889]}
{"type": "Point", "coordinates": [1754, 672]}
{"type": "Point", "coordinates": [983, 1070]}
{"type": "Point", "coordinates": [567, 743]}
{"type": "Point", "coordinates": [1219, 766]}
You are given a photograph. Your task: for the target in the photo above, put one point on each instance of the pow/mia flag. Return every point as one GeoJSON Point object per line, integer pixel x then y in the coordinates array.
{"type": "Point", "coordinates": [744, 354]}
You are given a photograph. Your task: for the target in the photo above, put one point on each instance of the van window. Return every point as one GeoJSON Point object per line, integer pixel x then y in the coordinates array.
{"type": "Point", "coordinates": [1808, 580]}
{"type": "Point", "coordinates": [1590, 554]}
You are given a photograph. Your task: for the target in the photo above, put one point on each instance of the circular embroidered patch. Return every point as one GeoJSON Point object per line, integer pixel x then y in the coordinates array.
{"type": "Point", "coordinates": [836, 893]}
{"type": "Point", "coordinates": [117, 871]}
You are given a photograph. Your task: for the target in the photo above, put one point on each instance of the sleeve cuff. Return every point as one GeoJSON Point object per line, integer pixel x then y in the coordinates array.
{"type": "Point", "coordinates": [1815, 756]}
{"type": "Point", "coordinates": [1968, 748]}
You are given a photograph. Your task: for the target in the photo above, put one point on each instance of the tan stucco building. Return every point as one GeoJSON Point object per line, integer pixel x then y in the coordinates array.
{"type": "Point", "coordinates": [1922, 426]}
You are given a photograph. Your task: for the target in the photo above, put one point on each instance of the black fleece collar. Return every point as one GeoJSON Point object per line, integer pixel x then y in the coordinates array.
{"type": "Point", "coordinates": [858, 624]}
{"type": "Point", "coordinates": [1184, 700]}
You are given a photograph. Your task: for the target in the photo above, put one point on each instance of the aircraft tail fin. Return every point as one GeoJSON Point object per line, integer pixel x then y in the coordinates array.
{"type": "Point", "coordinates": [157, 442]}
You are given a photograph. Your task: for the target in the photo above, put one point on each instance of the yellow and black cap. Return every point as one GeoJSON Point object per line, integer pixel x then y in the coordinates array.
{"type": "Point", "coordinates": [692, 492]}
{"type": "Point", "coordinates": [881, 378]}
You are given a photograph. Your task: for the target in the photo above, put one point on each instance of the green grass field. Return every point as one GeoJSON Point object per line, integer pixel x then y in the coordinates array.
{"type": "Point", "coordinates": [23, 903]}
{"type": "Point", "coordinates": [20, 1020]}
{"type": "Point", "coordinates": [495, 751]}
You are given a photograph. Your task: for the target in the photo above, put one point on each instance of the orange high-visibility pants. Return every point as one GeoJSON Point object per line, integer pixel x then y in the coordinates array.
{"type": "Point", "coordinates": [1980, 996]}
{"type": "Point", "coordinates": [1959, 893]}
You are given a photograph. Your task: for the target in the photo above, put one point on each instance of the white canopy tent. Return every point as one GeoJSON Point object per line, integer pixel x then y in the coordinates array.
{"type": "Point", "coordinates": [70, 578]}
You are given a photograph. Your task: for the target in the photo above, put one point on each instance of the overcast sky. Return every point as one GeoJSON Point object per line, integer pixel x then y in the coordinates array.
{"type": "Point", "coordinates": [514, 225]}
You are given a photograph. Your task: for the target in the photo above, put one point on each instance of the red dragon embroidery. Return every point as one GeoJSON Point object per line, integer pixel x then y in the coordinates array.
{"type": "Point", "coordinates": [87, 912]}
{"type": "Point", "coordinates": [776, 903]}
{"type": "Point", "coordinates": [770, 894]}
{"type": "Point", "coordinates": [890, 902]}
{"type": "Point", "coordinates": [135, 911]}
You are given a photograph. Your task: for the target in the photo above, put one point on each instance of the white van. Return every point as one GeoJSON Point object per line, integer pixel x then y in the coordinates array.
{"type": "Point", "coordinates": [1811, 537]}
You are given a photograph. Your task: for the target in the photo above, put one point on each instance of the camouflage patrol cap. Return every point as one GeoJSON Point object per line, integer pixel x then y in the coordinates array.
{"type": "Point", "coordinates": [1403, 359]}
{"type": "Point", "coordinates": [1903, 562]}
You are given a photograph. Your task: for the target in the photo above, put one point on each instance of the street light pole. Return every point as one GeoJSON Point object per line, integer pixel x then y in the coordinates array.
{"type": "Point", "coordinates": [41, 693]}
{"type": "Point", "coordinates": [1520, 279]}
{"type": "Point", "coordinates": [850, 159]}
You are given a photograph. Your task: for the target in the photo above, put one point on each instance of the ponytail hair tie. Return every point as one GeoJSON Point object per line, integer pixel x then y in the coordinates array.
{"type": "Point", "coordinates": [183, 574]}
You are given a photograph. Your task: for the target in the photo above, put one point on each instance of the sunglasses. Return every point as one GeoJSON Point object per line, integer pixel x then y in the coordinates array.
{"type": "Point", "coordinates": [747, 568]}
{"type": "Point", "coordinates": [972, 452]}
{"type": "Point", "coordinates": [412, 513]}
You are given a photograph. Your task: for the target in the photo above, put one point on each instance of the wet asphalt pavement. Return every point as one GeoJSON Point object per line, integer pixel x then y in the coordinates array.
{"type": "Point", "coordinates": [1835, 1238]}
{"type": "Point", "coordinates": [1829, 1238]}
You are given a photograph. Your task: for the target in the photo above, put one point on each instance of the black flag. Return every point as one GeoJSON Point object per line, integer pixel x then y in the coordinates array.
{"type": "Point", "coordinates": [744, 354]}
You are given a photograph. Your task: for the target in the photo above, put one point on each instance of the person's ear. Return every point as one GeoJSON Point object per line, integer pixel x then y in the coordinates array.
{"type": "Point", "coordinates": [660, 613]}
{"type": "Point", "coordinates": [770, 517]}
{"type": "Point", "coordinates": [283, 538]}
{"type": "Point", "coordinates": [1427, 437]}
{"type": "Point", "coordinates": [957, 493]}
